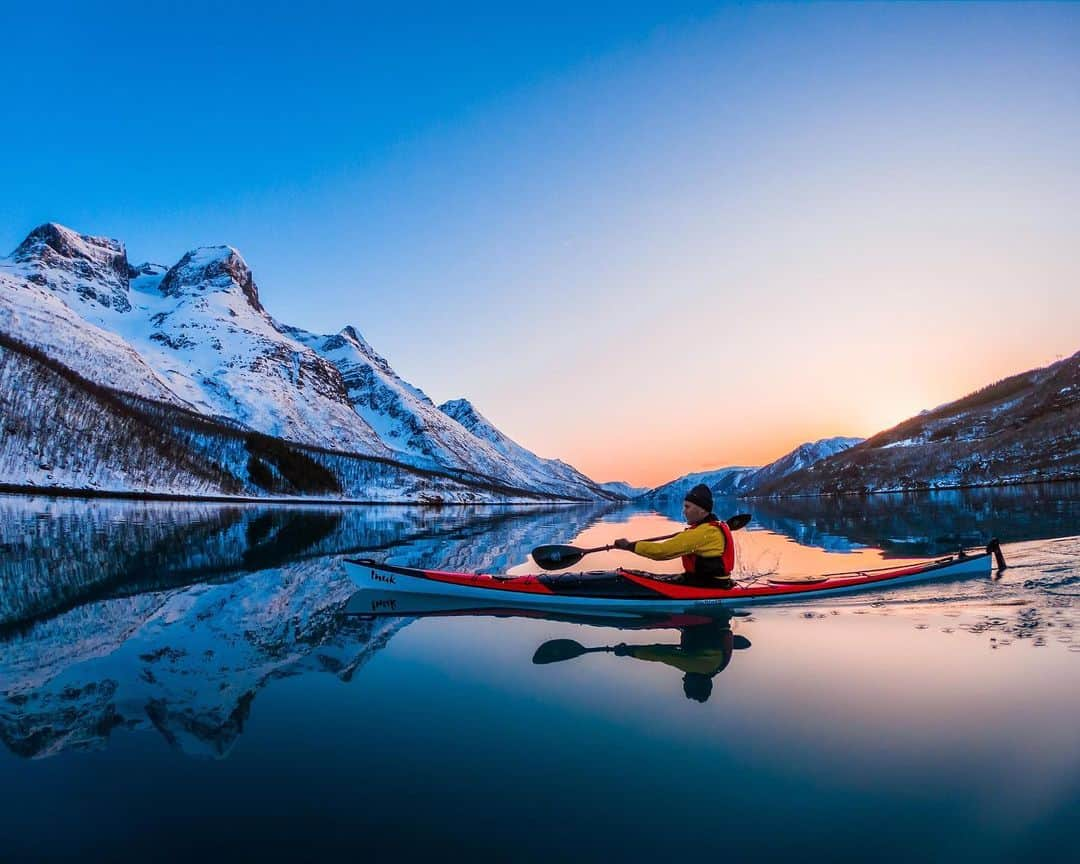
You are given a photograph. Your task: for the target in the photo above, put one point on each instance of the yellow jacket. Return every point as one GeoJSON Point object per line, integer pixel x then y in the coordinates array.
{"type": "Point", "coordinates": [703, 539]}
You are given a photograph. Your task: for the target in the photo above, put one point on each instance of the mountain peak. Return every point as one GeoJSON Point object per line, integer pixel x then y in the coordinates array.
{"type": "Point", "coordinates": [148, 268]}
{"type": "Point", "coordinates": [53, 241]}
{"type": "Point", "coordinates": [211, 268]}
{"type": "Point", "coordinates": [824, 447]}
{"type": "Point", "coordinates": [349, 334]}
{"type": "Point", "coordinates": [94, 268]}
{"type": "Point", "coordinates": [463, 411]}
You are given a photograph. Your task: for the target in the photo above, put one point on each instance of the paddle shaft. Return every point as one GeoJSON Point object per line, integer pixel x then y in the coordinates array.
{"type": "Point", "coordinates": [646, 540]}
{"type": "Point", "coordinates": [558, 557]}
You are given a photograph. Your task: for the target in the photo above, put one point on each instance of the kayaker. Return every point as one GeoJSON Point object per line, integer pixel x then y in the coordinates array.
{"type": "Point", "coordinates": [706, 547]}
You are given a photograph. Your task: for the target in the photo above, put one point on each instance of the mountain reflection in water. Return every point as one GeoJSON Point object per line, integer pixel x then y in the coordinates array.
{"type": "Point", "coordinates": [135, 614]}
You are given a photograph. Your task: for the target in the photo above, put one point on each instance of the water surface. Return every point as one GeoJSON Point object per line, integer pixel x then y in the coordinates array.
{"type": "Point", "coordinates": [179, 680]}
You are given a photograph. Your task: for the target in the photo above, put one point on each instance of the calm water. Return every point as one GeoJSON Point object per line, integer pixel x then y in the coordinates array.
{"type": "Point", "coordinates": [181, 682]}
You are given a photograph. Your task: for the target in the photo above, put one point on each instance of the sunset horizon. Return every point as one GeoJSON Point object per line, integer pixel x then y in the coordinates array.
{"type": "Point", "coordinates": [769, 450]}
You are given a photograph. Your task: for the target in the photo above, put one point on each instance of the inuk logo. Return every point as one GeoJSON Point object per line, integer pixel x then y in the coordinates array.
{"type": "Point", "coordinates": [382, 577]}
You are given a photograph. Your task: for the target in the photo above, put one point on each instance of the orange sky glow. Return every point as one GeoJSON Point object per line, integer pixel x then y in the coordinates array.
{"type": "Point", "coordinates": [759, 433]}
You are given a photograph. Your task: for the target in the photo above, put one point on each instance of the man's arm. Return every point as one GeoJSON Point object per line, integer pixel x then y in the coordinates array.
{"type": "Point", "coordinates": [685, 543]}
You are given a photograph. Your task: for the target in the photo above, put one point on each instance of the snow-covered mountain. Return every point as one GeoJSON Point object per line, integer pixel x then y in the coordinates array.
{"type": "Point", "coordinates": [738, 481]}
{"type": "Point", "coordinates": [67, 295]}
{"type": "Point", "coordinates": [801, 457]}
{"type": "Point", "coordinates": [196, 336]}
{"type": "Point", "coordinates": [723, 481]}
{"type": "Point", "coordinates": [620, 487]}
{"type": "Point", "coordinates": [229, 359]}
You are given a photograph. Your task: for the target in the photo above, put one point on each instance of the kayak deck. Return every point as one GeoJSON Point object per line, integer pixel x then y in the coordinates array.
{"type": "Point", "coordinates": [632, 589]}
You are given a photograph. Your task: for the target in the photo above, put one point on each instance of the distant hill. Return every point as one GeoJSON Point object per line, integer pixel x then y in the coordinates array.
{"type": "Point", "coordinates": [624, 489]}
{"type": "Point", "coordinates": [739, 481]}
{"type": "Point", "coordinates": [1024, 428]}
{"type": "Point", "coordinates": [723, 481]}
{"type": "Point", "coordinates": [802, 457]}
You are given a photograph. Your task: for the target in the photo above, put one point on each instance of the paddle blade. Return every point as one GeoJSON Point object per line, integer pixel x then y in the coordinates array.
{"type": "Point", "coordinates": [557, 557]}
{"type": "Point", "coordinates": [739, 520]}
{"type": "Point", "coordinates": [558, 649]}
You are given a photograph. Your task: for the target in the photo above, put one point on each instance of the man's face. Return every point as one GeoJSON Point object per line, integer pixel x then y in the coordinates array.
{"type": "Point", "coordinates": [692, 512]}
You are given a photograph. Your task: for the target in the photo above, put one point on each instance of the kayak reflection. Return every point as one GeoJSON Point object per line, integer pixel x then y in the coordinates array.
{"type": "Point", "coordinates": [705, 647]}
{"type": "Point", "coordinates": [703, 652]}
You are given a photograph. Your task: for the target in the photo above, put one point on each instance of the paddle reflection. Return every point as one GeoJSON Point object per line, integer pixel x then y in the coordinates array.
{"type": "Point", "coordinates": [704, 650]}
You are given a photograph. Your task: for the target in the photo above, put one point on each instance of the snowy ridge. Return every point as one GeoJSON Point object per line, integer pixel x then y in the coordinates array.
{"type": "Point", "coordinates": [227, 357]}
{"type": "Point", "coordinates": [544, 473]}
{"type": "Point", "coordinates": [626, 490]}
{"type": "Point", "coordinates": [723, 481]}
{"type": "Point", "coordinates": [402, 415]}
{"type": "Point", "coordinates": [803, 456]}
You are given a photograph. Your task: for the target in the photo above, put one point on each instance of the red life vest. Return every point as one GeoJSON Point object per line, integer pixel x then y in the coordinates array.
{"type": "Point", "coordinates": [727, 560]}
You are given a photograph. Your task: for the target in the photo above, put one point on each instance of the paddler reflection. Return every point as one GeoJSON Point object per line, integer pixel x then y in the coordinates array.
{"type": "Point", "coordinates": [703, 652]}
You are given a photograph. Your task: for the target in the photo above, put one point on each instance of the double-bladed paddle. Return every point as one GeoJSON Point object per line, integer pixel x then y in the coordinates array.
{"type": "Point", "coordinates": [558, 557]}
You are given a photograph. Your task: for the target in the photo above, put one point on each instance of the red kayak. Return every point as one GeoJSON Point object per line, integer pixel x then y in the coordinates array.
{"type": "Point", "coordinates": [636, 592]}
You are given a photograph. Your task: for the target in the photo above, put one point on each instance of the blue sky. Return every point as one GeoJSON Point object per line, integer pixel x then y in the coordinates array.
{"type": "Point", "coordinates": [647, 238]}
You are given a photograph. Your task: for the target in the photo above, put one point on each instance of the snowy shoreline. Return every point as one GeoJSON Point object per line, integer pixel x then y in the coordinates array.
{"type": "Point", "coordinates": [65, 492]}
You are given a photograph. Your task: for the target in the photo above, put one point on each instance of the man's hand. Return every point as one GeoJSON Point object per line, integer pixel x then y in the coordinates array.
{"type": "Point", "coordinates": [623, 543]}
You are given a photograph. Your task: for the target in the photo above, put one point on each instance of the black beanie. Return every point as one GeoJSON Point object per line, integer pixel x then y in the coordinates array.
{"type": "Point", "coordinates": [700, 495]}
